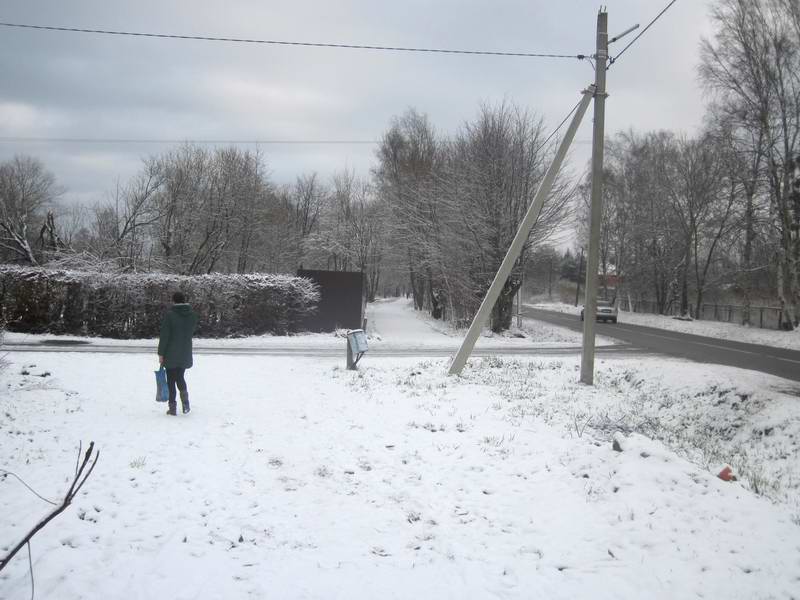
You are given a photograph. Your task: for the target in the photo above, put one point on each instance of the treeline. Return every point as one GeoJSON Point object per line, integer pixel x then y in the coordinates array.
{"type": "Point", "coordinates": [456, 204]}
{"type": "Point", "coordinates": [672, 218]}
{"type": "Point", "coordinates": [193, 211]}
{"type": "Point", "coordinates": [190, 211]}
{"type": "Point", "coordinates": [437, 214]}
{"type": "Point", "coordinates": [684, 216]}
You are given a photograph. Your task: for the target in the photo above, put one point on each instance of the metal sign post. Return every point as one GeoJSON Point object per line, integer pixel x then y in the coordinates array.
{"type": "Point", "coordinates": [356, 347]}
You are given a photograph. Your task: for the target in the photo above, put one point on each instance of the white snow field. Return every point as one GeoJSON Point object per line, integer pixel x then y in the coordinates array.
{"type": "Point", "coordinates": [294, 478]}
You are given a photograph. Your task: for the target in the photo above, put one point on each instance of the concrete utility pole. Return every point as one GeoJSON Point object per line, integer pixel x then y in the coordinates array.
{"type": "Point", "coordinates": [519, 297]}
{"type": "Point", "coordinates": [519, 239]}
{"type": "Point", "coordinates": [580, 270]}
{"type": "Point", "coordinates": [593, 258]}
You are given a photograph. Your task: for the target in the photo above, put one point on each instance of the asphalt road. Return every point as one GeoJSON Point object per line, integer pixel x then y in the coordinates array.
{"type": "Point", "coordinates": [775, 361]}
{"type": "Point", "coordinates": [636, 341]}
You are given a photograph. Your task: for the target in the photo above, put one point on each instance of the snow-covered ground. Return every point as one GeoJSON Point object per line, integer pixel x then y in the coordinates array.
{"type": "Point", "coordinates": [294, 478]}
{"type": "Point", "coordinates": [395, 323]}
{"type": "Point", "coordinates": [714, 329]}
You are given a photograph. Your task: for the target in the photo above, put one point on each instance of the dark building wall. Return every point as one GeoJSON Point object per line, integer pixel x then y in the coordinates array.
{"type": "Point", "coordinates": [341, 303]}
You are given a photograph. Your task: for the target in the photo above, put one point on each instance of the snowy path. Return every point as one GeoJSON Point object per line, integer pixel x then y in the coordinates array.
{"type": "Point", "coordinates": [390, 320]}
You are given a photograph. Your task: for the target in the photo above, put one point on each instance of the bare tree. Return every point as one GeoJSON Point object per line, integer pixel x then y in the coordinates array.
{"type": "Point", "coordinates": [753, 64]}
{"type": "Point", "coordinates": [308, 199]}
{"type": "Point", "coordinates": [209, 207]}
{"type": "Point", "coordinates": [26, 188]}
{"type": "Point", "coordinates": [351, 230]}
{"type": "Point", "coordinates": [255, 200]}
{"type": "Point", "coordinates": [495, 166]}
{"type": "Point", "coordinates": [406, 176]}
{"type": "Point", "coordinates": [179, 203]}
{"type": "Point", "coordinates": [369, 225]}
{"type": "Point", "coordinates": [741, 140]}
{"type": "Point", "coordinates": [542, 270]}
{"type": "Point", "coordinates": [123, 225]}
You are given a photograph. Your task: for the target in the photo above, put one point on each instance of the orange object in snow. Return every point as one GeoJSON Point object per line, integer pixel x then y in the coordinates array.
{"type": "Point", "coordinates": [727, 474]}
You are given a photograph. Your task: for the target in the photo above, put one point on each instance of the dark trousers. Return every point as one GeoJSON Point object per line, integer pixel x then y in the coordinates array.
{"type": "Point", "coordinates": [175, 378]}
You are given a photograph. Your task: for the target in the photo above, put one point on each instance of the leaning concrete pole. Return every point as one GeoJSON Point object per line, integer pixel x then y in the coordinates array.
{"type": "Point", "coordinates": [519, 239]}
{"type": "Point", "coordinates": [593, 258]}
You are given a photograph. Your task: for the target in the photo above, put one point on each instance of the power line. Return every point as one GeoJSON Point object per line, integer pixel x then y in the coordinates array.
{"type": "Point", "coordinates": [79, 140]}
{"type": "Point", "coordinates": [560, 125]}
{"type": "Point", "coordinates": [633, 41]}
{"type": "Point", "coordinates": [209, 38]}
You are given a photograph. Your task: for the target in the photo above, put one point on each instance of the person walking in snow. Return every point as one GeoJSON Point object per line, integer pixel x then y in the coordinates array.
{"type": "Point", "coordinates": [175, 349]}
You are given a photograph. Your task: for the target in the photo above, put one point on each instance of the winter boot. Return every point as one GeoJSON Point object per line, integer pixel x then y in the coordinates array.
{"type": "Point", "coordinates": [185, 401]}
{"type": "Point", "coordinates": [172, 409]}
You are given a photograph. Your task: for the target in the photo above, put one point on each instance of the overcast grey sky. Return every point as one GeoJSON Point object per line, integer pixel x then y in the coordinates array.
{"type": "Point", "coordinates": [74, 85]}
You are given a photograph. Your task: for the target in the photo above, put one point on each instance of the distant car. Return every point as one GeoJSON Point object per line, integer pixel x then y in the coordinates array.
{"type": "Point", "coordinates": [606, 311]}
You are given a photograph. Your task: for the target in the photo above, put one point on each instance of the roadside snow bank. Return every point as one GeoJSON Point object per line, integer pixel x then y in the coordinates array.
{"type": "Point", "coordinates": [712, 415]}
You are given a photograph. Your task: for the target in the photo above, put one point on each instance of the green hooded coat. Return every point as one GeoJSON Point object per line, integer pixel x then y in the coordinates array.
{"type": "Point", "coordinates": [175, 341]}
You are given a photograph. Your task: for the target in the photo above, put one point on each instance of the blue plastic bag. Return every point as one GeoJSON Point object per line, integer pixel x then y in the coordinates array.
{"type": "Point", "coordinates": [162, 390]}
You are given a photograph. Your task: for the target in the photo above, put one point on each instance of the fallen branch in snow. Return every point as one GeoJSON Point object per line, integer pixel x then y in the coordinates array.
{"type": "Point", "coordinates": [5, 474]}
{"type": "Point", "coordinates": [81, 475]}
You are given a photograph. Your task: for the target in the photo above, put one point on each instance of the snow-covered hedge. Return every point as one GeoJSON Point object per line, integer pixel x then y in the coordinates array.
{"type": "Point", "coordinates": [35, 300]}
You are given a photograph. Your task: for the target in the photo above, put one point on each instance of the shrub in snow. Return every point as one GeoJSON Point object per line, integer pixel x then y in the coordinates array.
{"type": "Point", "coordinates": [36, 300]}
